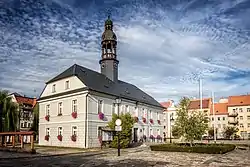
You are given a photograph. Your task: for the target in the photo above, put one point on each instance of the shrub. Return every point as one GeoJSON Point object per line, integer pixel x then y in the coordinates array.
{"type": "Point", "coordinates": [197, 148]}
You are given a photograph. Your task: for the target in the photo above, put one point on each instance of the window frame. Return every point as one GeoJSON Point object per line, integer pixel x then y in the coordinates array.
{"type": "Point", "coordinates": [74, 130]}
{"type": "Point", "coordinates": [74, 106]}
{"type": "Point", "coordinates": [100, 106]}
{"type": "Point", "coordinates": [60, 108]}
{"type": "Point", "coordinates": [59, 129]}
{"type": "Point", "coordinates": [47, 131]}
{"type": "Point", "coordinates": [53, 88]}
{"type": "Point", "coordinates": [67, 86]}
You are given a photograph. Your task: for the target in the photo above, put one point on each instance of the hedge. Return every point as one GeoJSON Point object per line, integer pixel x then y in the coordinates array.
{"type": "Point", "coordinates": [196, 148]}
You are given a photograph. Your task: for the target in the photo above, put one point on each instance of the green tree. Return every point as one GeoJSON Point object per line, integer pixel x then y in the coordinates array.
{"type": "Point", "coordinates": [191, 126]}
{"type": "Point", "coordinates": [126, 133]}
{"type": "Point", "coordinates": [9, 112]}
{"type": "Point", "coordinates": [36, 118]}
{"type": "Point", "coordinates": [229, 131]}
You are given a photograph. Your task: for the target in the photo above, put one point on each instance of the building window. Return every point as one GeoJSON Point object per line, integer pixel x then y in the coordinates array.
{"type": "Point", "coordinates": [158, 116]}
{"type": "Point", "coordinates": [240, 109]}
{"type": "Point", "coordinates": [21, 125]}
{"type": "Point", "coordinates": [234, 110]}
{"type": "Point", "coordinates": [224, 125]}
{"type": "Point", "coordinates": [100, 105]}
{"type": "Point", "coordinates": [223, 118]}
{"type": "Point", "coordinates": [25, 124]}
{"type": "Point", "coordinates": [248, 109]}
{"type": "Point", "coordinates": [164, 127]}
{"type": "Point", "coordinates": [113, 109]}
{"type": "Point", "coordinates": [60, 108]}
{"type": "Point", "coordinates": [74, 130]}
{"type": "Point", "coordinates": [67, 85]}
{"type": "Point", "coordinates": [126, 108]}
{"type": "Point", "coordinates": [151, 132]}
{"type": "Point", "coordinates": [53, 88]}
{"type": "Point", "coordinates": [219, 125]}
{"type": "Point", "coordinates": [29, 125]}
{"type": "Point", "coordinates": [47, 131]}
{"type": "Point", "coordinates": [248, 125]}
{"type": "Point", "coordinates": [158, 132]}
{"type": "Point", "coordinates": [150, 114]}
{"type": "Point", "coordinates": [241, 125]}
{"type": "Point", "coordinates": [212, 118]}
{"type": "Point", "coordinates": [241, 117]}
{"type": "Point", "coordinates": [218, 118]}
{"type": "Point", "coordinates": [74, 106]}
{"type": "Point", "coordinates": [136, 112]}
{"type": "Point", "coordinates": [59, 131]}
{"type": "Point", "coordinates": [248, 117]}
{"type": "Point", "coordinates": [47, 109]}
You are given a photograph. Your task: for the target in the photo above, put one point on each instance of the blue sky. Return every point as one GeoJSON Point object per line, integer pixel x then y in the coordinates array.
{"type": "Point", "coordinates": [164, 47]}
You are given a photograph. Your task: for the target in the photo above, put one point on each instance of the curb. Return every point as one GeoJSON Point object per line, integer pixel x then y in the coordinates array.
{"type": "Point", "coordinates": [52, 155]}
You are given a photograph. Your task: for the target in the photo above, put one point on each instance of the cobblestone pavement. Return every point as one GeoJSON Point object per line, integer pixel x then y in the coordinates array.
{"type": "Point", "coordinates": [141, 157]}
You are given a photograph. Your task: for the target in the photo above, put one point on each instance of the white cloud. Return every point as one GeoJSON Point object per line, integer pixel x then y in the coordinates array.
{"type": "Point", "coordinates": [166, 49]}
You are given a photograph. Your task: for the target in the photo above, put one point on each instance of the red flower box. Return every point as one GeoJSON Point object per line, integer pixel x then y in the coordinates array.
{"type": "Point", "coordinates": [59, 137]}
{"type": "Point", "coordinates": [158, 137]}
{"type": "Point", "coordinates": [144, 120]}
{"type": "Point", "coordinates": [73, 138]}
{"type": "Point", "coordinates": [74, 115]}
{"type": "Point", "coordinates": [101, 116]}
{"type": "Point", "coordinates": [151, 121]}
{"type": "Point", "coordinates": [46, 137]}
{"type": "Point", "coordinates": [151, 137]}
{"type": "Point", "coordinates": [47, 117]}
{"type": "Point", "coordinates": [159, 122]}
{"type": "Point", "coordinates": [136, 119]}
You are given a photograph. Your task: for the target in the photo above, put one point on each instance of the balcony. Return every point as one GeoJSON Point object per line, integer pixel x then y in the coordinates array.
{"type": "Point", "coordinates": [233, 121]}
{"type": "Point", "coordinates": [232, 114]}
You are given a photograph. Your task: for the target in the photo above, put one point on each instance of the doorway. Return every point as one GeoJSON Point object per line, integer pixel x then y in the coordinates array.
{"type": "Point", "coordinates": [135, 134]}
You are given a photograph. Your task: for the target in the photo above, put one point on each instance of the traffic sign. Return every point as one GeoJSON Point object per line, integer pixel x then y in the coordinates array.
{"type": "Point", "coordinates": [118, 122]}
{"type": "Point", "coordinates": [118, 128]}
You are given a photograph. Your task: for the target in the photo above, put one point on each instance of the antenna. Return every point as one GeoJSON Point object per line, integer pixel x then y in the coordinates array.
{"type": "Point", "coordinates": [109, 13]}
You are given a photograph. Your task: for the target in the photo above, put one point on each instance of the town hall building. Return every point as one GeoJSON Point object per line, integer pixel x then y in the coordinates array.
{"type": "Point", "coordinates": [76, 105]}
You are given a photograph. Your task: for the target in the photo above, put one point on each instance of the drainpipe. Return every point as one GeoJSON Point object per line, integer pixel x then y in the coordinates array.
{"type": "Point", "coordinates": [86, 120]}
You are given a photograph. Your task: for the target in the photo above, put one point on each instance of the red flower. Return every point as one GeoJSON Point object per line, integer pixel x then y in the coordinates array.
{"type": "Point", "coordinates": [136, 119]}
{"type": "Point", "coordinates": [59, 137]}
{"type": "Point", "coordinates": [101, 116]}
{"type": "Point", "coordinates": [144, 120]}
{"type": "Point", "coordinates": [151, 121]}
{"type": "Point", "coordinates": [74, 115]}
{"type": "Point", "coordinates": [46, 137]}
{"type": "Point", "coordinates": [47, 117]}
{"type": "Point", "coordinates": [73, 138]}
{"type": "Point", "coordinates": [159, 122]}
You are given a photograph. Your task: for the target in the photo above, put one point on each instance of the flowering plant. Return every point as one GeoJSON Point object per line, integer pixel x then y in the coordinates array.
{"type": "Point", "coordinates": [101, 116]}
{"type": "Point", "coordinates": [47, 117]}
{"type": "Point", "coordinates": [136, 119]}
{"type": "Point", "coordinates": [46, 137]}
{"type": "Point", "coordinates": [144, 120]}
{"type": "Point", "coordinates": [59, 137]}
{"type": "Point", "coordinates": [151, 137]}
{"type": "Point", "coordinates": [74, 114]}
{"type": "Point", "coordinates": [159, 137]}
{"type": "Point", "coordinates": [151, 121]}
{"type": "Point", "coordinates": [73, 137]}
{"type": "Point", "coordinates": [159, 122]}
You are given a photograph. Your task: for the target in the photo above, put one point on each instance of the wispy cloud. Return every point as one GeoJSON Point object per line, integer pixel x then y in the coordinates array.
{"type": "Point", "coordinates": [167, 46]}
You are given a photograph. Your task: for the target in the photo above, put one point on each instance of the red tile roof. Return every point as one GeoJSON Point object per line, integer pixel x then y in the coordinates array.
{"type": "Point", "coordinates": [219, 109]}
{"type": "Point", "coordinates": [166, 104]}
{"type": "Point", "coordinates": [195, 104]}
{"type": "Point", "coordinates": [25, 100]}
{"type": "Point", "coordinates": [242, 100]}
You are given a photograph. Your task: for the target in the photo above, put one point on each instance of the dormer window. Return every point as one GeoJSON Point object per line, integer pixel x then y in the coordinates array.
{"type": "Point", "coordinates": [67, 85]}
{"type": "Point", "coordinates": [53, 88]}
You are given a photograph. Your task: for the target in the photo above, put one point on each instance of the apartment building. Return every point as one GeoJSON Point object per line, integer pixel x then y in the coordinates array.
{"type": "Point", "coordinates": [205, 108]}
{"type": "Point", "coordinates": [239, 114]}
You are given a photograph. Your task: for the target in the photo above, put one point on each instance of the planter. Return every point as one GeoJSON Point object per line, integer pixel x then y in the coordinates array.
{"type": "Point", "coordinates": [59, 137]}
{"type": "Point", "coordinates": [73, 138]}
{"type": "Point", "coordinates": [144, 120]}
{"type": "Point", "coordinates": [159, 122]}
{"type": "Point", "coordinates": [47, 117]}
{"type": "Point", "coordinates": [151, 121]}
{"type": "Point", "coordinates": [74, 115]}
{"type": "Point", "coordinates": [46, 138]}
{"type": "Point", "coordinates": [101, 116]}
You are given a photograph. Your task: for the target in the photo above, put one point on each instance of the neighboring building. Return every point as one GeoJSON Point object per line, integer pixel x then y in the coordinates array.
{"type": "Point", "coordinates": [239, 114]}
{"type": "Point", "coordinates": [73, 103]}
{"type": "Point", "coordinates": [169, 116]}
{"type": "Point", "coordinates": [206, 105]}
{"type": "Point", "coordinates": [25, 108]}
{"type": "Point", "coordinates": [219, 118]}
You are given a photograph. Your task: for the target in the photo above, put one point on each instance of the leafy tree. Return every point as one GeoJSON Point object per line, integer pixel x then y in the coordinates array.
{"type": "Point", "coordinates": [36, 118]}
{"type": "Point", "coordinates": [211, 132]}
{"type": "Point", "coordinates": [126, 133]}
{"type": "Point", "coordinates": [8, 112]}
{"type": "Point", "coordinates": [229, 131]}
{"type": "Point", "coordinates": [191, 126]}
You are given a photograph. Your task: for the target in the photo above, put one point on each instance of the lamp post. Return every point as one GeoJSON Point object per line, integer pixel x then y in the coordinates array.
{"type": "Point", "coordinates": [171, 119]}
{"type": "Point", "coordinates": [118, 123]}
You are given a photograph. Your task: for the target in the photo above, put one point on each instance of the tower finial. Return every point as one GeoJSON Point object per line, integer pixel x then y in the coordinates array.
{"type": "Point", "coordinates": [109, 13]}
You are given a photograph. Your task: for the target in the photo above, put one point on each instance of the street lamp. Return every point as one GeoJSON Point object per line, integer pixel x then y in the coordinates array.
{"type": "Point", "coordinates": [118, 101]}
{"type": "Point", "coordinates": [171, 119]}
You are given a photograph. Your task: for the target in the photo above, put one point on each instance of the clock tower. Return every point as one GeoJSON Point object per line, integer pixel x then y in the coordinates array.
{"type": "Point", "coordinates": [109, 62]}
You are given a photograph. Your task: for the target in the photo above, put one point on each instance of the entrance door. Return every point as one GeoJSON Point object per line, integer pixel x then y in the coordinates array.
{"type": "Point", "coordinates": [135, 134]}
